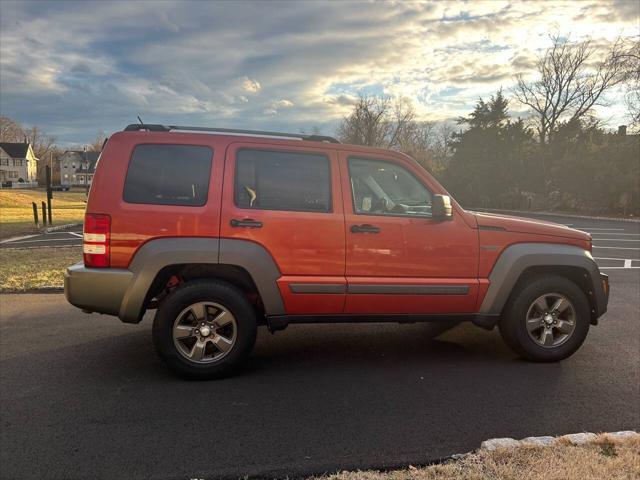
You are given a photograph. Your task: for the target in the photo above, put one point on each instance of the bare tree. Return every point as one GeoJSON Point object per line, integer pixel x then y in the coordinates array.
{"type": "Point", "coordinates": [571, 82]}
{"type": "Point", "coordinates": [629, 57]}
{"type": "Point", "coordinates": [44, 146]}
{"type": "Point", "coordinates": [379, 122]}
{"type": "Point", "coordinates": [98, 142]}
{"type": "Point", "coordinates": [442, 146]}
{"type": "Point", "coordinates": [41, 143]}
{"type": "Point", "coordinates": [10, 130]}
{"type": "Point", "coordinates": [368, 123]}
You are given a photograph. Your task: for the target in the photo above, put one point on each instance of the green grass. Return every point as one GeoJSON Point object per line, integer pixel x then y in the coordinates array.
{"type": "Point", "coordinates": [27, 269]}
{"type": "Point", "coordinates": [16, 212]}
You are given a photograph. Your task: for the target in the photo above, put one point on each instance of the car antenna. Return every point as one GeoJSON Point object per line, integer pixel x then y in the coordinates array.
{"type": "Point", "coordinates": [141, 122]}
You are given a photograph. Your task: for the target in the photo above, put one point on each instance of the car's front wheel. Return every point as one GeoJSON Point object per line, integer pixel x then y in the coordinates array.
{"type": "Point", "coordinates": [547, 319]}
{"type": "Point", "coordinates": [204, 329]}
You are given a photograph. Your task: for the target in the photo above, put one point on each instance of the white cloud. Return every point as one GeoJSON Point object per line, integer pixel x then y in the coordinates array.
{"type": "Point", "coordinates": [275, 106]}
{"type": "Point", "coordinates": [250, 85]}
{"type": "Point", "coordinates": [257, 64]}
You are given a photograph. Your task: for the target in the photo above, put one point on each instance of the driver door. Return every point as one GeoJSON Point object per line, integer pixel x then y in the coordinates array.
{"type": "Point", "coordinates": [398, 258]}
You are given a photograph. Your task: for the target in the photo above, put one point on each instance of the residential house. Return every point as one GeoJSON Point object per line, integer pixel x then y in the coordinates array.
{"type": "Point", "coordinates": [18, 164]}
{"type": "Point", "coordinates": [77, 167]}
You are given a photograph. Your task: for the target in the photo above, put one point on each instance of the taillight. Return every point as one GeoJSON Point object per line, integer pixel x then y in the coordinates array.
{"type": "Point", "coordinates": [96, 239]}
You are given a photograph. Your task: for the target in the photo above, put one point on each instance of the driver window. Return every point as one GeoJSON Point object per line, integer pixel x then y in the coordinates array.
{"type": "Point", "coordinates": [384, 188]}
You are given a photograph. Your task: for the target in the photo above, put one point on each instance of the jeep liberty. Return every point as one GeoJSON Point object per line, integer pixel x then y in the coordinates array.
{"type": "Point", "coordinates": [221, 231]}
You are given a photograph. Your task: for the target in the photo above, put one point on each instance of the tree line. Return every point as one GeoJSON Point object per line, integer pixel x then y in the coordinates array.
{"type": "Point", "coordinates": [560, 157]}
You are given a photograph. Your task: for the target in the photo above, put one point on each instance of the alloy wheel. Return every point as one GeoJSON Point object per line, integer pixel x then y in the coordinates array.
{"type": "Point", "coordinates": [551, 320]}
{"type": "Point", "coordinates": [205, 332]}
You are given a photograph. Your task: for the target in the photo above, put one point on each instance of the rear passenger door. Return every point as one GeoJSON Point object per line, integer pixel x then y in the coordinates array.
{"type": "Point", "coordinates": [287, 199]}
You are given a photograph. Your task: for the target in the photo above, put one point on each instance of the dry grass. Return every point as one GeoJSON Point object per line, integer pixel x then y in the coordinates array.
{"type": "Point", "coordinates": [605, 458]}
{"type": "Point", "coordinates": [16, 212]}
{"type": "Point", "coordinates": [27, 269]}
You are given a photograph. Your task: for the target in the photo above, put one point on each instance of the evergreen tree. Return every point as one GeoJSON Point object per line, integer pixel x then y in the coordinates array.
{"type": "Point", "coordinates": [490, 156]}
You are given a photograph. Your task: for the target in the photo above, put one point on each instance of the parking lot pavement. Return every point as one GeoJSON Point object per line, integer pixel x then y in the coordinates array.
{"type": "Point", "coordinates": [64, 238]}
{"type": "Point", "coordinates": [84, 396]}
{"type": "Point", "coordinates": [616, 245]}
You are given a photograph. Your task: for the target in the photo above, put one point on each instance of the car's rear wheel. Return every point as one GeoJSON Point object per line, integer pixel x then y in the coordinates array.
{"type": "Point", "coordinates": [204, 329]}
{"type": "Point", "coordinates": [546, 319]}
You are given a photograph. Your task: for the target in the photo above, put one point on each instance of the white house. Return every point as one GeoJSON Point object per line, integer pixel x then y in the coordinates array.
{"type": "Point", "coordinates": [77, 167]}
{"type": "Point", "coordinates": [18, 164]}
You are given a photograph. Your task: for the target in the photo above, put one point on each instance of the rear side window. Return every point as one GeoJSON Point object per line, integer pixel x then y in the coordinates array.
{"type": "Point", "coordinates": [273, 180]}
{"type": "Point", "coordinates": [169, 175]}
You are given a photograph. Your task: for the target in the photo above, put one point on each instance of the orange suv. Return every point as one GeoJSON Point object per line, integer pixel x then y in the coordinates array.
{"type": "Point", "coordinates": [224, 230]}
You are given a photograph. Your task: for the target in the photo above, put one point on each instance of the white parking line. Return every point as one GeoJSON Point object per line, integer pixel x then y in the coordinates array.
{"type": "Point", "coordinates": [607, 233]}
{"type": "Point", "coordinates": [38, 248]}
{"type": "Point", "coordinates": [47, 240]}
{"type": "Point", "coordinates": [618, 239]}
{"type": "Point", "coordinates": [17, 239]}
{"type": "Point", "coordinates": [617, 248]}
{"type": "Point", "coordinates": [627, 263]}
{"type": "Point", "coordinates": [618, 258]}
{"type": "Point", "coordinates": [75, 234]}
{"type": "Point", "coordinates": [588, 229]}
{"type": "Point", "coordinates": [618, 268]}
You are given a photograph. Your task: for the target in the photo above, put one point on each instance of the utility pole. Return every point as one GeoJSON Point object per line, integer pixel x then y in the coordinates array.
{"type": "Point", "coordinates": [86, 168]}
{"type": "Point", "coordinates": [50, 181]}
{"type": "Point", "coordinates": [49, 192]}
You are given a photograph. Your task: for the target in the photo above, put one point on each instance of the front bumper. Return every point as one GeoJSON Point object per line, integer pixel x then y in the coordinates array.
{"type": "Point", "coordinates": [99, 290]}
{"type": "Point", "coordinates": [601, 294]}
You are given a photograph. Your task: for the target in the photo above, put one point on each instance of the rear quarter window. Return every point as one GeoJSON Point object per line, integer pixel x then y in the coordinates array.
{"type": "Point", "coordinates": [169, 175]}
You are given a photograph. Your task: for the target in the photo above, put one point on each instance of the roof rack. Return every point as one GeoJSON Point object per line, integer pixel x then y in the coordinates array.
{"type": "Point", "coordinates": [168, 128]}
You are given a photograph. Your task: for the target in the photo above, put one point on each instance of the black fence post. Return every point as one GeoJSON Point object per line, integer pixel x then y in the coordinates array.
{"type": "Point", "coordinates": [35, 213]}
{"type": "Point", "coordinates": [44, 214]}
{"type": "Point", "coordinates": [49, 191]}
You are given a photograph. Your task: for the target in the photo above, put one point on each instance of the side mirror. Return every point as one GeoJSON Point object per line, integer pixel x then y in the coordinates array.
{"type": "Point", "coordinates": [441, 207]}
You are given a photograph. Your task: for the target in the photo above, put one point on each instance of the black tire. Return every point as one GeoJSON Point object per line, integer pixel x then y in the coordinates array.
{"type": "Point", "coordinates": [191, 293]}
{"type": "Point", "coordinates": [513, 322]}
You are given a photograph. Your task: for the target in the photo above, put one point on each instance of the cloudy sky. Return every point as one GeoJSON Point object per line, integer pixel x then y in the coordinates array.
{"type": "Point", "coordinates": [77, 68]}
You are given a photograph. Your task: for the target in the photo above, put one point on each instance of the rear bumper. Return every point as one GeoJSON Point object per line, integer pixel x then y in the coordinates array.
{"type": "Point", "coordinates": [99, 290]}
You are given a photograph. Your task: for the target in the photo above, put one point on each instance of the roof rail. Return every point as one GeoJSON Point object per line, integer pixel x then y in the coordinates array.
{"type": "Point", "coordinates": [168, 128]}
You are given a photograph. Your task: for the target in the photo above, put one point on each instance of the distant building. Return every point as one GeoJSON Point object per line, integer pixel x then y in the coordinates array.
{"type": "Point", "coordinates": [18, 164]}
{"type": "Point", "coordinates": [77, 167]}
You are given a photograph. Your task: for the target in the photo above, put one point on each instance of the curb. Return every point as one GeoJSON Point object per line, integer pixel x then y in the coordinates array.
{"type": "Point", "coordinates": [547, 441]}
{"type": "Point", "coordinates": [555, 214]}
{"type": "Point", "coordinates": [61, 227]}
{"type": "Point", "coordinates": [50, 289]}
{"type": "Point", "coordinates": [41, 247]}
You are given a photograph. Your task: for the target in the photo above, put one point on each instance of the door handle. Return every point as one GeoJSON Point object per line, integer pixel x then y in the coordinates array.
{"type": "Point", "coordinates": [245, 223]}
{"type": "Point", "coordinates": [366, 228]}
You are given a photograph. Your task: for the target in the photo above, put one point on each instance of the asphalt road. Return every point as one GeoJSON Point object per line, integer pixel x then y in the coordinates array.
{"type": "Point", "coordinates": [84, 396]}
